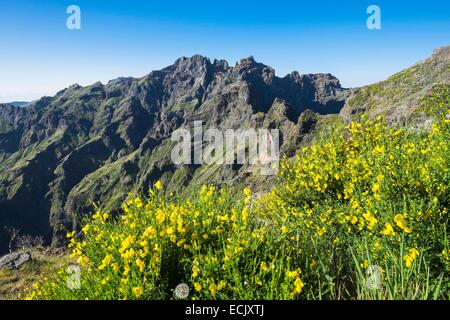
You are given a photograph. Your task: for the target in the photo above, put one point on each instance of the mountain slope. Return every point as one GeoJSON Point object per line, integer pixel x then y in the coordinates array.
{"type": "Point", "coordinates": [96, 143]}
{"type": "Point", "coordinates": [399, 96]}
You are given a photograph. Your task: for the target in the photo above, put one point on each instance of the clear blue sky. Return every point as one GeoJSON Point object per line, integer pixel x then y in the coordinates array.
{"type": "Point", "coordinates": [39, 55]}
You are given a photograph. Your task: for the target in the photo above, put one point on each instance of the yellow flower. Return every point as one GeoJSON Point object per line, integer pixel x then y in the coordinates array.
{"type": "Point", "coordinates": [106, 262]}
{"type": "Point", "coordinates": [264, 266]}
{"type": "Point", "coordinates": [400, 221]}
{"type": "Point", "coordinates": [197, 286]}
{"type": "Point", "coordinates": [129, 254]}
{"type": "Point", "coordinates": [365, 264]}
{"type": "Point", "coordinates": [376, 188]}
{"type": "Point", "coordinates": [245, 214]}
{"type": "Point", "coordinates": [86, 228]}
{"type": "Point", "coordinates": [115, 267]}
{"type": "Point", "coordinates": [150, 232]}
{"type": "Point", "coordinates": [160, 216]}
{"type": "Point", "coordinates": [141, 264]}
{"type": "Point", "coordinates": [144, 244]}
{"type": "Point", "coordinates": [126, 243]}
{"type": "Point", "coordinates": [138, 291]}
{"type": "Point", "coordinates": [213, 289]}
{"type": "Point", "coordinates": [83, 261]}
{"type": "Point", "coordinates": [413, 253]}
{"type": "Point", "coordinates": [298, 286]}
{"type": "Point", "coordinates": [170, 231]}
{"type": "Point", "coordinates": [388, 231]}
{"type": "Point", "coordinates": [409, 259]}
{"type": "Point", "coordinates": [371, 219]}
{"type": "Point", "coordinates": [322, 231]}
{"type": "Point", "coordinates": [195, 271]}
{"type": "Point", "coordinates": [292, 274]}
{"type": "Point", "coordinates": [158, 185]}
{"type": "Point", "coordinates": [379, 149]}
{"type": "Point", "coordinates": [247, 191]}
{"type": "Point", "coordinates": [138, 202]}
{"type": "Point", "coordinates": [221, 285]}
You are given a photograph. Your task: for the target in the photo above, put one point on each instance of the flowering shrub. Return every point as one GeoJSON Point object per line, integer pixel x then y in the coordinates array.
{"type": "Point", "coordinates": [370, 195]}
{"type": "Point", "coordinates": [366, 195]}
{"type": "Point", "coordinates": [209, 243]}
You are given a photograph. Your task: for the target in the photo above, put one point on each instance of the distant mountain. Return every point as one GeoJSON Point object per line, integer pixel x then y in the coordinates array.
{"type": "Point", "coordinates": [19, 103]}
{"type": "Point", "coordinates": [96, 143]}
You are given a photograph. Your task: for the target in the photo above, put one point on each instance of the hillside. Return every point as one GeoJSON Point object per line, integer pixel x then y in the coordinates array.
{"type": "Point", "coordinates": [97, 143]}
{"type": "Point", "coordinates": [400, 96]}
{"type": "Point", "coordinates": [359, 214]}
{"type": "Point", "coordinates": [368, 196]}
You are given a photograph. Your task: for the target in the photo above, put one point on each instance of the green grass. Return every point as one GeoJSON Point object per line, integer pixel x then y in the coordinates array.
{"type": "Point", "coordinates": [14, 281]}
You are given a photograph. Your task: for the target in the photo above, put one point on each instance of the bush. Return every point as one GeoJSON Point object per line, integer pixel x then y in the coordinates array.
{"type": "Point", "coordinates": [209, 243]}
{"type": "Point", "coordinates": [371, 197]}
{"type": "Point", "coordinates": [360, 214]}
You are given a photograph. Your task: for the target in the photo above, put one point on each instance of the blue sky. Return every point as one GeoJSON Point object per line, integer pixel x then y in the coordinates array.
{"type": "Point", "coordinates": [39, 55]}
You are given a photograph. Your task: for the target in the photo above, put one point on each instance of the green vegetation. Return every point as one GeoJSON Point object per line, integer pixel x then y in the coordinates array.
{"type": "Point", "coordinates": [362, 213]}
{"type": "Point", "coordinates": [436, 102]}
{"type": "Point", "coordinates": [14, 281]}
{"type": "Point", "coordinates": [398, 96]}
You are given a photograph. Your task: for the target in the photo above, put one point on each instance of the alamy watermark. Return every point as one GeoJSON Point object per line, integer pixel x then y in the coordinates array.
{"type": "Point", "coordinates": [73, 22]}
{"type": "Point", "coordinates": [258, 148]}
{"type": "Point", "coordinates": [73, 281]}
{"type": "Point", "coordinates": [182, 291]}
{"type": "Point", "coordinates": [374, 20]}
{"type": "Point", "coordinates": [373, 277]}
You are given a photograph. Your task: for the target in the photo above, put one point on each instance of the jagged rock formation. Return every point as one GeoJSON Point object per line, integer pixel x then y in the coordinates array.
{"type": "Point", "coordinates": [96, 143]}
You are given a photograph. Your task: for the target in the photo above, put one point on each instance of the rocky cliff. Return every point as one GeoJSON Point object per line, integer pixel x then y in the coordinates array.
{"type": "Point", "coordinates": [97, 143]}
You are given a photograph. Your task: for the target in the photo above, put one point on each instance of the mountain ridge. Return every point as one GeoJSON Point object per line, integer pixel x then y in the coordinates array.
{"type": "Point", "coordinates": [398, 96]}
{"type": "Point", "coordinates": [96, 143]}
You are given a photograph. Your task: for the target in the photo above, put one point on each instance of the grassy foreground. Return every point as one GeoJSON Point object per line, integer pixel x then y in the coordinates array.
{"type": "Point", "coordinates": [363, 213]}
{"type": "Point", "coordinates": [13, 281]}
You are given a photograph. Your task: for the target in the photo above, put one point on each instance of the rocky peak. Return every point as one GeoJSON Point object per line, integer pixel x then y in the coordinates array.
{"type": "Point", "coordinates": [249, 65]}
{"type": "Point", "coordinates": [249, 61]}
{"type": "Point", "coordinates": [191, 64]}
{"type": "Point", "coordinates": [89, 143]}
{"type": "Point", "coordinates": [120, 80]}
{"type": "Point", "coordinates": [221, 65]}
{"type": "Point", "coordinates": [185, 82]}
{"type": "Point", "coordinates": [295, 76]}
{"type": "Point", "coordinates": [441, 54]}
